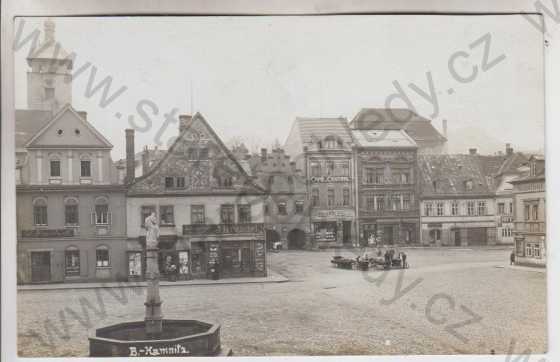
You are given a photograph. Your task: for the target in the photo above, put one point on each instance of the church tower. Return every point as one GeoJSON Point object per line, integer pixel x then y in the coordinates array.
{"type": "Point", "coordinates": [49, 81]}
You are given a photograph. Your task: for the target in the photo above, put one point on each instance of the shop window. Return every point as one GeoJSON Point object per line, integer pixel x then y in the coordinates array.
{"type": "Point", "coordinates": [166, 215]}
{"type": "Point", "coordinates": [282, 209]}
{"type": "Point", "coordinates": [536, 251]}
{"type": "Point", "coordinates": [299, 207]}
{"type": "Point", "coordinates": [135, 264]}
{"type": "Point", "coordinates": [198, 215]}
{"type": "Point", "coordinates": [85, 168]}
{"type": "Point", "coordinates": [102, 256]}
{"type": "Point", "coordinates": [244, 214]}
{"type": "Point", "coordinates": [72, 261]}
{"type": "Point", "coordinates": [55, 168]}
{"type": "Point", "coordinates": [529, 250]}
{"type": "Point", "coordinates": [345, 197]}
{"type": "Point", "coordinates": [227, 214]}
{"type": "Point", "coordinates": [71, 212]}
{"type": "Point", "coordinates": [325, 231]}
{"type": "Point", "coordinates": [146, 211]}
{"type": "Point", "coordinates": [40, 212]}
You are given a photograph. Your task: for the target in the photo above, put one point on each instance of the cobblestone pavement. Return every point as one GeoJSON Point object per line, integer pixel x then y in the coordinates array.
{"type": "Point", "coordinates": [449, 301]}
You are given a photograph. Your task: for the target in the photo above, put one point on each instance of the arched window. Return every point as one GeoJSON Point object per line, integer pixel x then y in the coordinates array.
{"type": "Point", "coordinates": [40, 212]}
{"type": "Point", "coordinates": [71, 216]}
{"type": "Point", "coordinates": [72, 261]}
{"type": "Point", "coordinates": [55, 165]}
{"type": "Point", "coordinates": [101, 216]}
{"type": "Point", "coordinates": [102, 256]}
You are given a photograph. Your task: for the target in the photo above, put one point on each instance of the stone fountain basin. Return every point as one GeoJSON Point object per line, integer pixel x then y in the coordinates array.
{"type": "Point", "coordinates": [179, 338]}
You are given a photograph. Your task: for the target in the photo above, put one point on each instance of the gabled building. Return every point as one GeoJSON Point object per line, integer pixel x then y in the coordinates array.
{"type": "Point", "coordinates": [286, 209]}
{"type": "Point", "coordinates": [530, 214]}
{"type": "Point", "coordinates": [210, 209]}
{"type": "Point", "coordinates": [428, 139]}
{"type": "Point", "coordinates": [70, 210]}
{"type": "Point", "coordinates": [322, 148]}
{"type": "Point", "coordinates": [386, 192]}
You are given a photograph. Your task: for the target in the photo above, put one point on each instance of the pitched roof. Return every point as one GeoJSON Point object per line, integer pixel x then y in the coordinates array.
{"type": "Point", "coordinates": [312, 130]}
{"type": "Point", "coordinates": [28, 123]}
{"type": "Point", "coordinates": [68, 108]}
{"type": "Point", "coordinates": [383, 138]}
{"type": "Point", "coordinates": [451, 173]}
{"type": "Point", "coordinates": [417, 127]}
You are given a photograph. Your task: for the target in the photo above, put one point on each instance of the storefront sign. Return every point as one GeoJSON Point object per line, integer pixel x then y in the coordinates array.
{"type": "Point", "coordinates": [329, 179]}
{"type": "Point", "coordinates": [149, 351]}
{"type": "Point", "coordinates": [333, 214]}
{"type": "Point", "coordinates": [47, 233]}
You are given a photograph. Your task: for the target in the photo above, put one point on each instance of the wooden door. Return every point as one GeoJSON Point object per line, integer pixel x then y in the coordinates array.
{"type": "Point", "coordinates": [40, 266]}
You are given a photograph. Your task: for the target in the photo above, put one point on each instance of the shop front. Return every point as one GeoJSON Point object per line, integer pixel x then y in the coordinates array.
{"type": "Point", "coordinates": [388, 232]}
{"type": "Point", "coordinates": [333, 227]}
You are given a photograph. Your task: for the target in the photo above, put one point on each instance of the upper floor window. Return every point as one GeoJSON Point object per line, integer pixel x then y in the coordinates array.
{"type": "Point", "coordinates": [198, 215]}
{"type": "Point", "coordinates": [169, 182]}
{"type": "Point", "coordinates": [482, 208]}
{"type": "Point", "coordinates": [330, 168]}
{"type": "Point", "coordinates": [266, 209]}
{"type": "Point", "coordinates": [192, 154]}
{"type": "Point", "coordinates": [330, 197]}
{"type": "Point", "coordinates": [344, 169]}
{"type": "Point", "coordinates": [535, 212]}
{"type": "Point", "coordinates": [203, 154]}
{"type": "Point", "coordinates": [454, 208]}
{"type": "Point", "coordinates": [370, 175]}
{"type": "Point", "coordinates": [396, 201]}
{"type": "Point", "coordinates": [166, 216]}
{"type": "Point", "coordinates": [102, 214]}
{"type": "Point", "coordinates": [299, 207]}
{"type": "Point", "coordinates": [406, 201]}
{"type": "Point", "coordinates": [146, 211]}
{"type": "Point", "coordinates": [511, 208]}
{"type": "Point", "coordinates": [345, 197]}
{"type": "Point", "coordinates": [102, 256]}
{"type": "Point", "coordinates": [527, 212]}
{"type": "Point", "coordinates": [227, 214]}
{"type": "Point", "coordinates": [282, 208]}
{"type": "Point", "coordinates": [501, 208]}
{"type": "Point", "coordinates": [71, 212]}
{"type": "Point", "coordinates": [55, 168]}
{"type": "Point", "coordinates": [405, 178]}
{"type": "Point", "coordinates": [380, 202]}
{"type": "Point", "coordinates": [315, 169]}
{"type": "Point", "coordinates": [315, 197]}
{"type": "Point", "coordinates": [470, 208]}
{"type": "Point", "coordinates": [85, 168]}
{"type": "Point", "coordinates": [227, 181]}
{"type": "Point", "coordinates": [439, 208]}
{"type": "Point", "coordinates": [370, 202]}
{"type": "Point", "coordinates": [40, 212]}
{"type": "Point", "coordinates": [428, 208]}
{"type": "Point", "coordinates": [244, 214]}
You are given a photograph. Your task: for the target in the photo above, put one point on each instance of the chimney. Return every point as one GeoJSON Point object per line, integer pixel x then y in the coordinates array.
{"type": "Point", "coordinates": [184, 120]}
{"type": "Point", "coordinates": [263, 154]}
{"type": "Point", "coordinates": [472, 151]}
{"type": "Point", "coordinates": [145, 161]}
{"type": "Point", "coordinates": [129, 155]}
{"type": "Point", "coordinates": [509, 149]}
{"type": "Point", "coordinates": [444, 127]}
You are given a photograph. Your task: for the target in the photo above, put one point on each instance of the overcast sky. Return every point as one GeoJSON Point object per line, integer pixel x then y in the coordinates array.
{"type": "Point", "coordinates": [251, 76]}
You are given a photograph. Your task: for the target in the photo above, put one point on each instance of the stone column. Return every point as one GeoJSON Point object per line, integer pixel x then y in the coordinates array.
{"type": "Point", "coordinates": [154, 316]}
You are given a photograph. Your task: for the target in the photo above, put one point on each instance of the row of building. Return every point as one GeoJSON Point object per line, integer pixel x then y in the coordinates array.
{"type": "Point", "coordinates": [382, 178]}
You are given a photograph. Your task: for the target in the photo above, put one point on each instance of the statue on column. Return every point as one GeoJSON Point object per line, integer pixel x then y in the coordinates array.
{"type": "Point", "coordinates": [152, 231]}
{"type": "Point", "coordinates": [153, 316]}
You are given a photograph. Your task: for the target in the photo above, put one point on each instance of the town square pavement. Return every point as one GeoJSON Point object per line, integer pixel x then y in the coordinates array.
{"type": "Point", "coordinates": [457, 300]}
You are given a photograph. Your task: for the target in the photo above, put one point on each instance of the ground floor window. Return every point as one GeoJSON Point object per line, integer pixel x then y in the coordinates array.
{"type": "Point", "coordinates": [102, 256]}
{"type": "Point", "coordinates": [135, 264]}
{"type": "Point", "coordinates": [72, 261]}
{"type": "Point", "coordinates": [519, 248]}
{"type": "Point", "coordinates": [325, 230]}
{"type": "Point", "coordinates": [183, 262]}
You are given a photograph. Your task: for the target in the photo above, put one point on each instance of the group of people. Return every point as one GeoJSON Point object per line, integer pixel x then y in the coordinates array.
{"type": "Point", "coordinates": [388, 256]}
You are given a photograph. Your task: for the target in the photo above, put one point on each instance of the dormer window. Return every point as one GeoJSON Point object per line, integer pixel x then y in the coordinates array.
{"type": "Point", "coordinates": [331, 142]}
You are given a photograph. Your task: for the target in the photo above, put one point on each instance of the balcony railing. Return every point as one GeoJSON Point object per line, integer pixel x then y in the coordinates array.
{"type": "Point", "coordinates": [47, 233]}
{"type": "Point", "coordinates": [530, 226]}
{"type": "Point", "coordinates": [221, 229]}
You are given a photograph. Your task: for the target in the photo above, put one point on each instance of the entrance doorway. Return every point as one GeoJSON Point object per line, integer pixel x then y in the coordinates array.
{"type": "Point", "coordinates": [347, 232]}
{"type": "Point", "coordinates": [457, 237]}
{"type": "Point", "coordinates": [40, 266]}
{"type": "Point", "coordinates": [296, 239]}
{"type": "Point", "coordinates": [388, 235]}
{"type": "Point", "coordinates": [435, 236]}
{"type": "Point", "coordinates": [272, 237]}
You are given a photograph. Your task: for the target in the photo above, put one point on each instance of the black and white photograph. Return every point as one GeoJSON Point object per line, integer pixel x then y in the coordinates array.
{"type": "Point", "coordinates": [301, 185]}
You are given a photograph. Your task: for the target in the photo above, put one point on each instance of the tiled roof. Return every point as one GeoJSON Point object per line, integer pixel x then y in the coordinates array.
{"type": "Point", "coordinates": [315, 129]}
{"type": "Point", "coordinates": [28, 123]}
{"type": "Point", "coordinates": [417, 127]}
{"type": "Point", "coordinates": [451, 173]}
{"type": "Point", "coordinates": [382, 138]}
